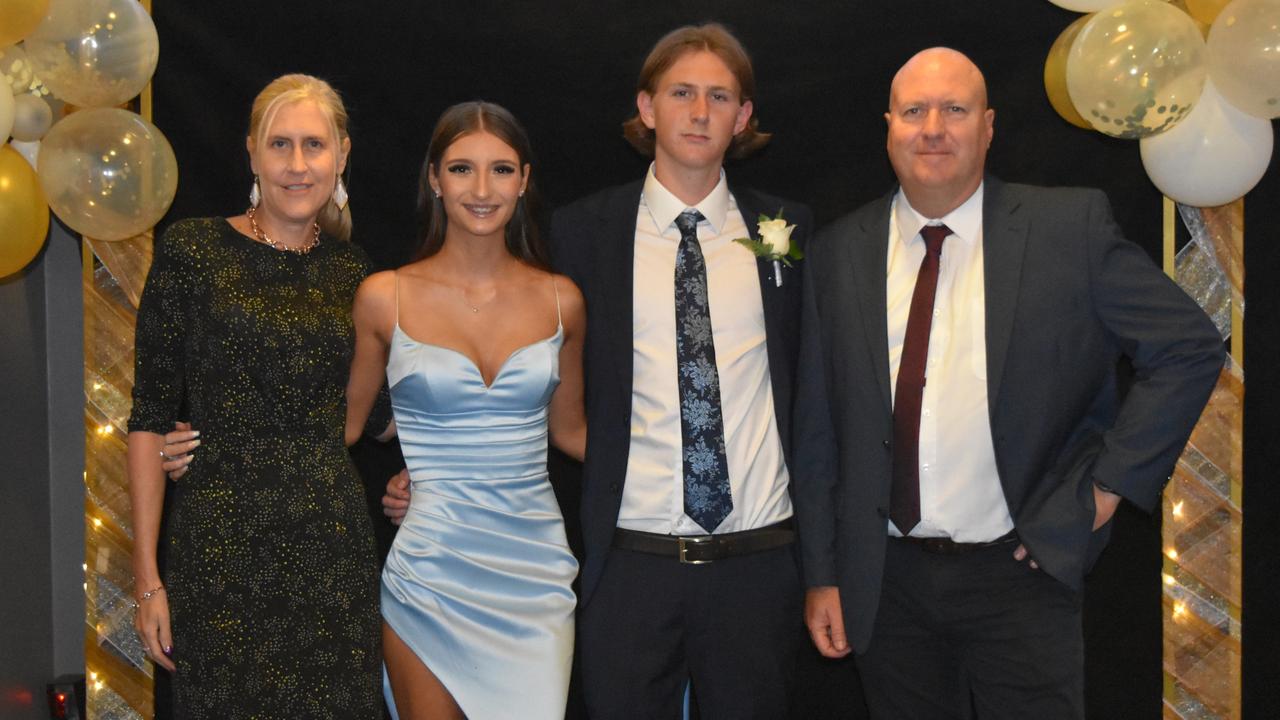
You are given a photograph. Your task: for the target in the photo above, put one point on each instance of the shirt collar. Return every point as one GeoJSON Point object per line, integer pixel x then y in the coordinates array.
{"type": "Point", "coordinates": [965, 221]}
{"type": "Point", "coordinates": [665, 207]}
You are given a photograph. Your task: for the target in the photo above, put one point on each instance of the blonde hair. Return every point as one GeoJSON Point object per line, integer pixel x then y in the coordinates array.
{"type": "Point", "coordinates": [296, 87]}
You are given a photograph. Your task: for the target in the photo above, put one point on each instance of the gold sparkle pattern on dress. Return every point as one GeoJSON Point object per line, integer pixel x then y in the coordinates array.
{"type": "Point", "coordinates": [270, 570]}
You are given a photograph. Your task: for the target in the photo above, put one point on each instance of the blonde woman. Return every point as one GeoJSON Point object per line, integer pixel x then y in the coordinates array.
{"type": "Point", "coordinates": [269, 602]}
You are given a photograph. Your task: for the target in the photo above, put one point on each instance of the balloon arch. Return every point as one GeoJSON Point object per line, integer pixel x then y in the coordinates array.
{"type": "Point", "coordinates": [106, 172]}
{"type": "Point", "coordinates": [1195, 82]}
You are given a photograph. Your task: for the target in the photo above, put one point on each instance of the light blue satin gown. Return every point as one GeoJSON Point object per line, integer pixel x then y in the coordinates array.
{"type": "Point", "coordinates": [477, 582]}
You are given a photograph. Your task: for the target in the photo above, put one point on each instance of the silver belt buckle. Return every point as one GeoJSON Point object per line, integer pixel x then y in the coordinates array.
{"type": "Point", "coordinates": [685, 542]}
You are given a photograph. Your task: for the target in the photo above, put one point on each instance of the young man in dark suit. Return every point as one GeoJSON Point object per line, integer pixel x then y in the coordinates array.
{"type": "Point", "coordinates": [946, 526]}
{"type": "Point", "coordinates": [691, 348]}
{"type": "Point", "coordinates": [689, 571]}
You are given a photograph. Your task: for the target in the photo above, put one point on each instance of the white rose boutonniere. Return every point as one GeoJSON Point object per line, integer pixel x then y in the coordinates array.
{"type": "Point", "coordinates": [774, 243]}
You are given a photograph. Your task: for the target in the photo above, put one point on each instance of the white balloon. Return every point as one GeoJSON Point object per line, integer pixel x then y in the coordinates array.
{"type": "Point", "coordinates": [32, 117]}
{"type": "Point", "coordinates": [1214, 156]}
{"type": "Point", "coordinates": [1086, 6]}
{"type": "Point", "coordinates": [7, 110]}
{"type": "Point", "coordinates": [28, 150]}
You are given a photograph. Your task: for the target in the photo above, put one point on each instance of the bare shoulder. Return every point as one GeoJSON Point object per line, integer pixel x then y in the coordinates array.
{"type": "Point", "coordinates": [573, 309]}
{"type": "Point", "coordinates": [378, 286]}
{"type": "Point", "coordinates": [570, 295]}
{"type": "Point", "coordinates": [376, 296]}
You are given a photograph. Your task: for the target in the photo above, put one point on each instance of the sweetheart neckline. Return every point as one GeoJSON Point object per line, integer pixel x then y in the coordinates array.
{"type": "Point", "coordinates": [474, 365]}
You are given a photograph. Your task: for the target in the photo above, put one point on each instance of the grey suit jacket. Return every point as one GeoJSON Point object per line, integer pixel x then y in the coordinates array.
{"type": "Point", "coordinates": [1066, 297]}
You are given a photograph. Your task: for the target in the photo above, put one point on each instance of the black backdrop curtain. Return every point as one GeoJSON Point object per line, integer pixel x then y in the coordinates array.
{"type": "Point", "coordinates": [567, 70]}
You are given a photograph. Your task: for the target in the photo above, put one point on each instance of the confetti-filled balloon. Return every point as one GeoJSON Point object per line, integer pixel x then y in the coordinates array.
{"type": "Point", "coordinates": [108, 173]}
{"type": "Point", "coordinates": [95, 53]}
{"type": "Point", "coordinates": [1136, 69]}
{"type": "Point", "coordinates": [16, 70]}
{"type": "Point", "coordinates": [1244, 56]}
{"type": "Point", "coordinates": [1214, 156]}
{"type": "Point", "coordinates": [24, 214]}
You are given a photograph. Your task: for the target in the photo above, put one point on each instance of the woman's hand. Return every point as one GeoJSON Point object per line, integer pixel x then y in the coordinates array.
{"type": "Point", "coordinates": [178, 448]}
{"type": "Point", "coordinates": [395, 504]}
{"type": "Point", "coordinates": [152, 622]}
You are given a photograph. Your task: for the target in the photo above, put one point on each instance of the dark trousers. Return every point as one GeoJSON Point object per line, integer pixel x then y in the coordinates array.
{"type": "Point", "coordinates": [973, 635]}
{"type": "Point", "coordinates": [730, 626]}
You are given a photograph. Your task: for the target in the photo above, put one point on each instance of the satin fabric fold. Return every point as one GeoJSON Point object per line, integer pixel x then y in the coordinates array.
{"type": "Point", "coordinates": [477, 582]}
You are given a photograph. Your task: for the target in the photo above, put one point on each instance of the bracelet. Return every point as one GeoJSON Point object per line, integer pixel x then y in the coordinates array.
{"type": "Point", "coordinates": [147, 596]}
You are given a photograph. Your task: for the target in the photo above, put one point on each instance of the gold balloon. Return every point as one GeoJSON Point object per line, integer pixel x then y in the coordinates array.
{"type": "Point", "coordinates": [18, 18]}
{"type": "Point", "coordinates": [1136, 69]}
{"type": "Point", "coordinates": [1206, 11]}
{"type": "Point", "coordinates": [1055, 74]}
{"type": "Point", "coordinates": [108, 173]}
{"type": "Point", "coordinates": [24, 214]}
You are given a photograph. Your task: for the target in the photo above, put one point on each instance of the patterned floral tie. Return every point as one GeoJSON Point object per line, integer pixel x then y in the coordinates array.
{"type": "Point", "coordinates": [706, 471]}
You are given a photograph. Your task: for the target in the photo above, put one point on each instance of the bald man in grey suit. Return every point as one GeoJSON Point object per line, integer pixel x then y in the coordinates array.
{"type": "Point", "coordinates": [946, 527]}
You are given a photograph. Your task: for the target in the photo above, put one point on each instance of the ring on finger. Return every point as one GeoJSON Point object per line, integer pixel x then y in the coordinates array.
{"type": "Point", "coordinates": [167, 457]}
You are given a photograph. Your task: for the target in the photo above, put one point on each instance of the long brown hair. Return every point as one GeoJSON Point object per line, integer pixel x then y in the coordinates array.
{"type": "Point", "coordinates": [522, 237]}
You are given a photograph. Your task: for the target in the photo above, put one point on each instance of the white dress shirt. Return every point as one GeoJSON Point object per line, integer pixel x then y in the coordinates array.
{"type": "Point", "coordinates": [960, 493]}
{"type": "Point", "coordinates": [653, 496]}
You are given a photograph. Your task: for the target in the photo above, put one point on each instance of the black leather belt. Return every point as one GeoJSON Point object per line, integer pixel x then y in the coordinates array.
{"type": "Point", "coordinates": [701, 549]}
{"type": "Point", "coordinates": [947, 546]}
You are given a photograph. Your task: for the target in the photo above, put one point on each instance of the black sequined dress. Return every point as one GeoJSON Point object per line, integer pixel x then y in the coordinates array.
{"type": "Point", "coordinates": [271, 574]}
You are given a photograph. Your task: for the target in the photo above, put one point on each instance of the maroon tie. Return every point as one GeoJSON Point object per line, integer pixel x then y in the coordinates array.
{"type": "Point", "coordinates": [904, 498]}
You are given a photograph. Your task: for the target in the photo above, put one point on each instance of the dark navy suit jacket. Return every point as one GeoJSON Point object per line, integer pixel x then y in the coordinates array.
{"type": "Point", "coordinates": [593, 242]}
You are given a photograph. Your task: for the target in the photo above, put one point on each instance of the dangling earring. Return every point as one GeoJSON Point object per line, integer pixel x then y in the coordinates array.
{"type": "Point", "coordinates": [340, 194]}
{"type": "Point", "coordinates": [255, 195]}
{"type": "Point", "coordinates": [438, 195]}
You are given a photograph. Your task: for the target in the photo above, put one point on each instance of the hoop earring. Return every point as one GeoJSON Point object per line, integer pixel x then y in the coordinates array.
{"type": "Point", "coordinates": [255, 195]}
{"type": "Point", "coordinates": [340, 195]}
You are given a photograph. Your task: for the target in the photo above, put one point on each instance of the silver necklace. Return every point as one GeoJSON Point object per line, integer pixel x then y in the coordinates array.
{"type": "Point", "coordinates": [475, 309]}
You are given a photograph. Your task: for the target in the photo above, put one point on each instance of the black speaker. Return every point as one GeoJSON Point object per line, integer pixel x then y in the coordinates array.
{"type": "Point", "coordinates": [66, 698]}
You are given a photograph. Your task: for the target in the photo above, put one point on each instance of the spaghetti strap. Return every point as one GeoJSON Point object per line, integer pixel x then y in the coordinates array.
{"type": "Point", "coordinates": [556, 288]}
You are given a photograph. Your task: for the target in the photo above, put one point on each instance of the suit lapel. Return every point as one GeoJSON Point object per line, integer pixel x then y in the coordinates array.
{"type": "Point", "coordinates": [1004, 241]}
{"type": "Point", "coordinates": [751, 207]}
{"type": "Point", "coordinates": [868, 259]}
{"type": "Point", "coordinates": [778, 313]}
{"type": "Point", "coordinates": [617, 267]}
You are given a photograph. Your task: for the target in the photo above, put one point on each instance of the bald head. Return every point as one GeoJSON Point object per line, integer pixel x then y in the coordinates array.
{"type": "Point", "coordinates": [939, 129]}
{"type": "Point", "coordinates": [938, 61]}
